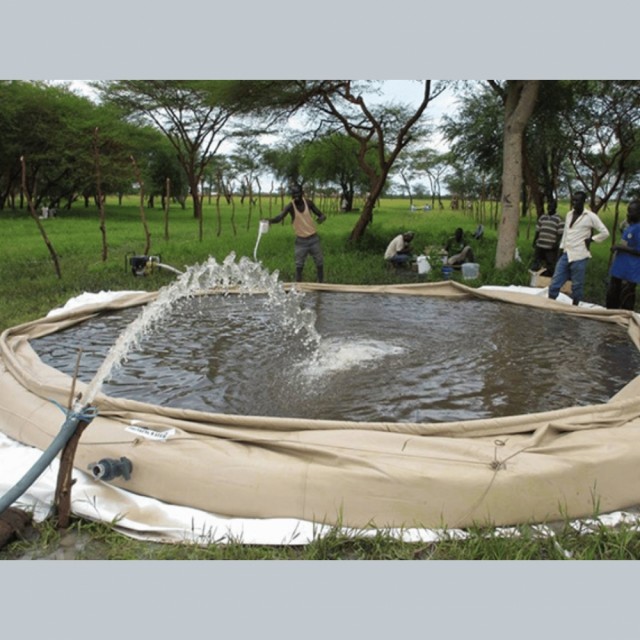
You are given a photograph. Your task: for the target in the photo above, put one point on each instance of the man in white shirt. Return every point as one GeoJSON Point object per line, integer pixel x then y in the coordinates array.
{"type": "Point", "coordinates": [581, 227]}
{"type": "Point", "coordinates": [399, 249]}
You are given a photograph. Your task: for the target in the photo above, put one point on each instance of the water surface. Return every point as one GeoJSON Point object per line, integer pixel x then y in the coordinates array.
{"type": "Point", "coordinates": [380, 358]}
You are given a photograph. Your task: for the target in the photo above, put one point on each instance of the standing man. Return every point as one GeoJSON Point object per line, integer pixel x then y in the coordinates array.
{"type": "Point", "coordinates": [547, 239]}
{"type": "Point", "coordinates": [581, 227]}
{"type": "Point", "coordinates": [307, 239]}
{"type": "Point", "coordinates": [625, 270]}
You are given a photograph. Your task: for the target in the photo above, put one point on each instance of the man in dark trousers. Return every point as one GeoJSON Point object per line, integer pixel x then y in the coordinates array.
{"type": "Point", "coordinates": [625, 270]}
{"type": "Point", "coordinates": [546, 242]}
{"type": "Point", "coordinates": [307, 239]}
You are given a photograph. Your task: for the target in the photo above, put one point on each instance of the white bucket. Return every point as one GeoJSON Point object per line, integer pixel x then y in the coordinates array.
{"type": "Point", "coordinates": [264, 226]}
{"type": "Point", "coordinates": [423, 264]}
{"type": "Point", "coordinates": [470, 270]}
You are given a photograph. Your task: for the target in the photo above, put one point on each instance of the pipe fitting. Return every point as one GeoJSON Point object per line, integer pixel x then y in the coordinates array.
{"type": "Point", "coordinates": [110, 468]}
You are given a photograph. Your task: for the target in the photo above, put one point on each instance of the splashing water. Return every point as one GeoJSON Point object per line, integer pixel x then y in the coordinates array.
{"type": "Point", "coordinates": [338, 354]}
{"type": "Point", "coordinates": [243, 277]}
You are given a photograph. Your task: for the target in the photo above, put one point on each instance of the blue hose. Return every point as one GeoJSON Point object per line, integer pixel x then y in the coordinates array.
{"type": "Point", "coordinates": [57, 444]}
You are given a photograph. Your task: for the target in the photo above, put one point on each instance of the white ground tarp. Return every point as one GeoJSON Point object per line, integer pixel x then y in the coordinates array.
{"type": "Point", "coordinates": [282, 481]}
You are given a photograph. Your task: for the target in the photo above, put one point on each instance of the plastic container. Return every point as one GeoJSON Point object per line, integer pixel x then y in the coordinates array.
{"type": "Point", "coordinates": [447, 272]}
{"type": "Point", "coordinates": [470, 270]}
{"type": "Point", "coordinates": [423, 265]}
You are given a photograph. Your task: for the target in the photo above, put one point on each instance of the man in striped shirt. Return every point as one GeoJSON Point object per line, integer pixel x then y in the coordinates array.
{"type": "Point", "coordinates": [547, 240]}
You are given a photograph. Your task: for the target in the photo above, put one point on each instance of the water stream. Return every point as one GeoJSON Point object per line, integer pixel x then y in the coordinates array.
{"type": "Point", "coordinates": [243, 276]}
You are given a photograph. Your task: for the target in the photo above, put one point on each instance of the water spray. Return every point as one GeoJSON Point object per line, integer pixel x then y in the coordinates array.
{"type": "Point", "coordinates": [262, 229]}
{"type": "Point", "coordinates": [245, 276]}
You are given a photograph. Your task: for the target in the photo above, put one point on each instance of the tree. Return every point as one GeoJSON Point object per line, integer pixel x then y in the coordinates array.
{"type": "Point", "coordinates": [162, 165]}
{"type": "Point", "coordinates": [475, 137]}
{"type": "Point", "coordinates": [285, 161]}
{"type": "Point", "coordinates": [188, 114]}
{"type": "Point", "coordinates": [53, 128]}
{"type": "Point", "coordinates": [424, 162]}
{"type": "Point", "coordinates": [333, 160]}
{"type": "Point", "coordinates": [381, 132]}
{"type": "Point", "coordinates": [520, 98]}
{"type": "Point", "coordinates": [246, 164]}
{"type": "Point", "coordinates": [603, 122]}
{"type": "Point", "coordinates": [547, 144]}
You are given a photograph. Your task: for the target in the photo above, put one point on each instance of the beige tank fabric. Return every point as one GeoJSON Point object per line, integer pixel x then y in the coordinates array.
{"type": "Point", "coordinates": [568, 463]}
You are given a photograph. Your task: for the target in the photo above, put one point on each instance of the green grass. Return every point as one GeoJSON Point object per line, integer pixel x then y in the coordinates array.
{"type": "Point", "coordinates": [100, 541]}
{"type": "Point", "coordinates": [29, 288]}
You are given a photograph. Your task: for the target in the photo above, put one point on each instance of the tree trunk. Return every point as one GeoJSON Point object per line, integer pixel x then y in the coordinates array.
{"type": "Point", "coordinates": [346, 198]}
{"type": "Point", "coordinates": [366, 217]}
{"type": "Point", "coordinates": [408, 186]}
{"type": "Point", "coordinates": [103, 222]}
{"type": "Point", "coordinates": [520, 100]}
{"type": "Point", "coordinates": [43, 233]}
{"type": "Point", "coordinates": [65, 481]}
{"type": "Point", "coordinates": [167, 196]}
{"type": "Point", "coordinates": [147, 234]}
{"type": "Point", "coordinates": [197, 203]}
{"type": "Point", "coordinates": [536, 194]}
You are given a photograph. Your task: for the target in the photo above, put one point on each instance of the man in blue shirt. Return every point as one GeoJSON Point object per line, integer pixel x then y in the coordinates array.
{"type": "Point", "coordinates": [625, 270]}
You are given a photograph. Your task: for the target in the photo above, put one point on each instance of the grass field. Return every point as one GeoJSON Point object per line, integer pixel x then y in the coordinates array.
{"type": "Point", "coordinates": [29, 287]}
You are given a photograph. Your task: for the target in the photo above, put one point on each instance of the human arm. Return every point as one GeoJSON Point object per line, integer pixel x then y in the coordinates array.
{"type": "Point", "coordinates": [562, 232]}
{"type": "Point", "coordinates": [602, 233]}
{"type": "Point", "coordinates": [319, 215]}
{"type": "Point", "coordinates": [281, 215]}
{"type": "Point", "coordinates": [559, 233]}
{"type": "Point", "coordinates": [630, 240]}
{"type": "Point", "coordinates": [624, 249]}
{"type": "Point", "coordinates": [406, 247]}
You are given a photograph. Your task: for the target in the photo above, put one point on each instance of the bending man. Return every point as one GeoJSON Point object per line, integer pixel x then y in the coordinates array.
{"type": "Point", "coordinates": [398, 251]}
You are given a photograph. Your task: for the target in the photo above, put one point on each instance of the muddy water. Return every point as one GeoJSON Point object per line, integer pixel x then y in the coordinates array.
{"type": "Point", "coordinates": [381, 357]}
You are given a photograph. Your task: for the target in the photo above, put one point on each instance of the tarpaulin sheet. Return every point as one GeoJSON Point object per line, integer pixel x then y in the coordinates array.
{"type": "Point", "coordinates": [533, 468]}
